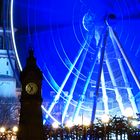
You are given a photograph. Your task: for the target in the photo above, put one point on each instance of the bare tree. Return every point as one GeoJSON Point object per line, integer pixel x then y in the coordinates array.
{"type": "Point", "coordinates": [9, 111]}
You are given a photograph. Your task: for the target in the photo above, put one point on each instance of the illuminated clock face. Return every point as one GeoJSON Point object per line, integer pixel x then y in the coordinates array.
{"type": "Point", "coordinates": [31, 88]}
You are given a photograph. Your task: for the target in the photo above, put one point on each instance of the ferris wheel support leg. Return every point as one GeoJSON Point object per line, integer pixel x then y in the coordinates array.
{"type": "Point", "coordinates": [129, 91]}
{"type": "Point", "coordinates": [130, 94]}
{"type": "Point", "coordinates": [118, 96]}
{"type": "Point", "coordinates": [114, 37]}
{"type": "Point", "coordinates": [98, 77]}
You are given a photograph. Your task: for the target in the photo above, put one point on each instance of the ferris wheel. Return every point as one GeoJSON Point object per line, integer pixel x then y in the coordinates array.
{"type": "Point", "coordinates": [85, 67]}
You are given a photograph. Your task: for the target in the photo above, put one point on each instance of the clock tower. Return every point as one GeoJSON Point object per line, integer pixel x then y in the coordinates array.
{"type": "Point", "coordinates": [30, 122]}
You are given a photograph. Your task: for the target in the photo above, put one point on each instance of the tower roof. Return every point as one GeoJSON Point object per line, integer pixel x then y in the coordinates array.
{"type": "Point", "coordinates": [31, 68]}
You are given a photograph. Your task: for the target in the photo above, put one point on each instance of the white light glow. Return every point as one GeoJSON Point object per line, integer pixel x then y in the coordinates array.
{"type": "Point", "coordinates": [86, 121]}
{"type": "Point", "coordinates": [15, 129]}
{"type": "Point", "coordinates": [69, 124]}
{"type": "Point", "coordinates": [78, 120]}
{"type": "Point", "coordinates": [128, 112]}
{"type": "Point", "coordinates": [55, 125]}
{"type": "Point", "coordinates": [2, 129]}
{"type": "Point", "coordinates": [105, 118]}
{"type": "Point", "coordinates": [135, 123]}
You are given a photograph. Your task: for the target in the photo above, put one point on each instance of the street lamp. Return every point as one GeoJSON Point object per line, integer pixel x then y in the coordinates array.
{"type": "Point", "coordinates": [8, 134]}
{"type": "Point", "coordinates": [135, 123]}
{"type": "Point", "coordinates": [2, 129]}
{"type": "Point", "coordinates": [105, 120]}
{"type": "Point", "coordinates": [128, 112]}
{"type": "Point", "coordinates": [2, 133]}
{"type": "Point", "coordinates": [86, 121]}
{"type": "Point", "coordinates": [69, 124]}
{"type": "Point", "coordinates": [15, 129]}
{"type": "Point", "coordinates": [14, 132]}
{"type": "Point", "coordinates": [55, 125]}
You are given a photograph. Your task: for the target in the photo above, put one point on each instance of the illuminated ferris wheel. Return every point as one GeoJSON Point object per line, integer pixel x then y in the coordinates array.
{"type": "Point", "coordinates": [86, 70]}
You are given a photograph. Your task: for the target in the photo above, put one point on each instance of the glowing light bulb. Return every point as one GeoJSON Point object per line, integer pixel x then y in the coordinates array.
{"type": "Point", "coordinates": [105, 118]}
{"type": "Point", "coordinates": [128, 112]}
{"type": "Point", "coordinates": [135, 123]}
{"type": "Point", "coordinates": [86, 121]}
{"type": "Point", "coordinates": [69, 123]}
{"type": "Point", "coordinates": [55, 125]}
{"type": "Point", "coordinates": [15, 129]}
{"type": "Point", "coordinates": [2, 129]}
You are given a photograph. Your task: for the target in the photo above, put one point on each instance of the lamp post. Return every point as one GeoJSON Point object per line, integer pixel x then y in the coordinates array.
{"type": "Point", "coordinates": [2, 133]}
{"type": "Point", "coordinates": [69, 126]}
{"type": "Point", "coordinates": [129, 115]}
{"type": "Point", "coordinates": [85, 124]}
{"type": "Point", "coordinates": [105, 120]}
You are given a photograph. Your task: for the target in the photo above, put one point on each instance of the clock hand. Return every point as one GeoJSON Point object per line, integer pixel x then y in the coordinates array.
{"type": "Point", "coordinates": [31, 88]}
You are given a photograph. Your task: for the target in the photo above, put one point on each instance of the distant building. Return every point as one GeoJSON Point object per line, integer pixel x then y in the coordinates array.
{"type": "Point", "coordinates": [9, 104]}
